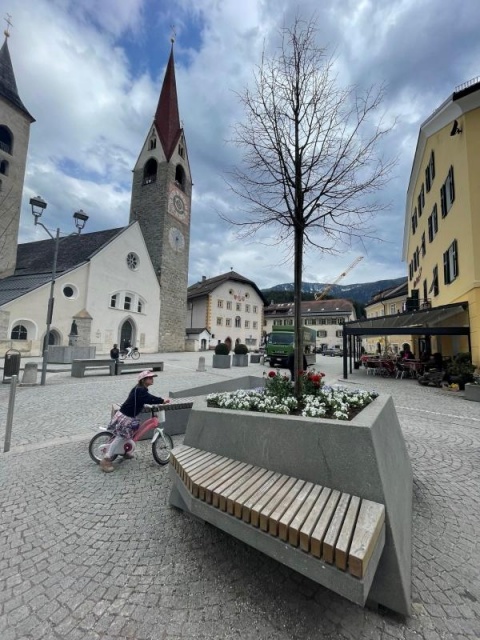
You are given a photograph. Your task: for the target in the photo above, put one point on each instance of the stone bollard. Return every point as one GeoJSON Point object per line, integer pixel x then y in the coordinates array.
{"type": "Point", "coordinates": [201, 364]}
{"type": "Point", "coordinates": [262, 360]}
{"type": "Point", "coordinates": [30, 373]}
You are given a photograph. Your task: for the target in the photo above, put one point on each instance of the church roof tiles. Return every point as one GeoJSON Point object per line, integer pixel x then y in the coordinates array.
{"type": "Point", "coordinates": [167, 118]}
{"type": "Point", "coordinates": [8, 85]}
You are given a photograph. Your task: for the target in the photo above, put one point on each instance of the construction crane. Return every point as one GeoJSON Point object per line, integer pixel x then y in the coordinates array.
{"type": "Point", "coordinates": [325, 290]}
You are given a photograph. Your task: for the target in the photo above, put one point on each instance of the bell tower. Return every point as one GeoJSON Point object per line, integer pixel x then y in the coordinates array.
{"type": "Point", "coordinates": [15, 124]}
{"type": "Point", "coordinates": [161, 202]}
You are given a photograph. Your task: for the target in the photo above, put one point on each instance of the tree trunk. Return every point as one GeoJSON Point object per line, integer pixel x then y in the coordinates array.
{"type": "Point", "coordinates": [297, 298]}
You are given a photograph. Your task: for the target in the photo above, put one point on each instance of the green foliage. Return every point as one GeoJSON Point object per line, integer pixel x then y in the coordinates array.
{"type": "Point", "coordinates": [279, 385]}
{"type": "Point", "coordinates": [221, 349]}
{"type": "Point", "coordinates": [240, 349]}
{"type": "Point", "coordinates": [461, 366]}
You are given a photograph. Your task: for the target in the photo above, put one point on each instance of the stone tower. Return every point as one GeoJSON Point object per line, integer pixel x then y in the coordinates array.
{"type": "Point", "coordinates": [15, 124]}
{"type": "Point", "coordinates": [161, 200]}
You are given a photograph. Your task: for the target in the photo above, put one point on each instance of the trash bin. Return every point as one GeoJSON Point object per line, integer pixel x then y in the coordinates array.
{"type": "Point", "coordinates": [11, 365]}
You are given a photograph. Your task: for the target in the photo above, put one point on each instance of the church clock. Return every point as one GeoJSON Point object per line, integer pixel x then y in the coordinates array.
{"type": "Point", "coordinates": [178, 206]}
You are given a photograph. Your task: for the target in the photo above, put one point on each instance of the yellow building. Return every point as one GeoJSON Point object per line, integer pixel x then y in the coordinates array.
{"type": "Point", "coordinates": [388, 302]}
{"type": "Point", "coordinates": [442, 224]}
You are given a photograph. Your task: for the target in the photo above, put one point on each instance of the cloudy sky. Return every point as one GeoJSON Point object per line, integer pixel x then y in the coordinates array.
{"type": "Point", "coordinates": [90, 73]}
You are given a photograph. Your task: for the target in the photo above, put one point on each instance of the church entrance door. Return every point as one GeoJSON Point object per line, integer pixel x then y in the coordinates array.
{"type": "Point", "coordinates": [126, 334]}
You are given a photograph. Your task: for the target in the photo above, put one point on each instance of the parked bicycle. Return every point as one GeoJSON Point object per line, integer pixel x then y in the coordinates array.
{"type": "Point", "coordinates": [161, 442]}
{"type": "Point", "coordinates": [133, 353]}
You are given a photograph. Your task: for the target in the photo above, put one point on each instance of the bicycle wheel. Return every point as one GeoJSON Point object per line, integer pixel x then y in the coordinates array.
{"type": "Point", "coordinates": [135, 355]}
{"type": "Point", "coordinates": [161, 448]}
{"type": "Point", "coordinates": [97, 444]}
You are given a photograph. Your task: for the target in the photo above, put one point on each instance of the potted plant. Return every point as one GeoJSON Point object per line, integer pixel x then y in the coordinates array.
{"type": "Point", "coordinates": [460, 370]}
{"type": "Point", "coordinates": [221, 357]}
{"type": "Point", "coordinates": [472, 389]}
{"type": "Point", "coordinates": [240, 357]}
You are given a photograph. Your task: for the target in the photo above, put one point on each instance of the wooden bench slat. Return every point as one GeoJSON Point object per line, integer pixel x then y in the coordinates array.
{"type": "Point", "coordinates": [259, 489]}
{"type": "Point", "coordinates": [189, 461]}
{"type": "Point", "coordinates": [270, 507]}
{"type": "Point", "coordinates": [190, 466]}
{"type": "Point", "coordinates": [309, 524]}
{"type": "Point", "coordinates": [247, 491]}
{"type": "Point", "coordinates": [206, 473]}
{"type": "Point", "coordinates": [283, 506]}
{"type": "Point", "coordinates": [221, 480]}
{"type": "Point", "coordinates": [292, 510]}
{"type": "Point", "coordinates": [222, 488]}
{"type": "Point", "coordinates": [254, 474]}
{"type": "Point", "coordinates": [239, 482]}
{"type": "Point", "coordinates": [367, 529]}
{"type": "Point", "coordinates": [178, 458]}
{"type": "Point", "coordinates": [323, 523]}
{"type": "Point", "coordinates": [212, 480]}
{"type": "Point", "coordinates": [265, 499]}
{"type": "Point", "coordinates": [191, 474]}
{"type": "Point", "coordinates": [344, 539]}
{"type": "Point", "coordinates": [331, 537]}
{"type": "Point", "coordinates": [302, 514]}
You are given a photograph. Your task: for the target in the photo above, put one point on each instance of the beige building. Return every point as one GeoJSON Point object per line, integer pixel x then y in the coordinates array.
{"type": "Point", "coordinates": [442, 220]}
{"type": "Point", "coordinates": [230, 307]}
{"type": "Point", "coordinates": [389, 302]}
{"type": "Point", "coordinates": [325, 316]}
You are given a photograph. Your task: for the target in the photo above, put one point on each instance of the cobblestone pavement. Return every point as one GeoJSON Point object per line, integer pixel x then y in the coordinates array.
{"type": "Point", "coordinates": [84, 555]}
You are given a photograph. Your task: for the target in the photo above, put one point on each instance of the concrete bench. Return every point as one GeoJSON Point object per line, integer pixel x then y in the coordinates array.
{"type": "Point", "coordinates": [122, 366]}
{"type": "Point", "coordinates": [330, 536]}
{"type": "Point", "coordinates": [80, 366]}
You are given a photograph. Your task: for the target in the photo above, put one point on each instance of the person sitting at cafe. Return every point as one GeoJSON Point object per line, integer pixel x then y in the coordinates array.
{"type": "Point", "coordinates": [407, 354]}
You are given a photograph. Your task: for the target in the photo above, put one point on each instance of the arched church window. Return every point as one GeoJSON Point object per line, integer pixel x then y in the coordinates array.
{"type": "Point", "coordinates": [19, 332]}
{"type": "Point", "coordinates": [6, 139]}
{"type": "Point", "coordinates": [114, 300]}
{"type": "Point", "coordinates": [180, 176]}
{"type": "Point", "coordinates": [238, 321]}
{"type": "Point", "coordinates": [4, 167]}
{"type": "Point", "coordinates": [153, 143]}
{"type": "Point", "coordinates": [181, 150]}
{"type": "Point", "coordinates": [150, 171]}
{"type": "Point", "coordinates": [127, 303]}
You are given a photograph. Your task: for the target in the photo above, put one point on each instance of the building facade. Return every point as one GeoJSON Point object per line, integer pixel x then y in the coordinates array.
{"type": "Point", "coordinates": [15, 124]}
{"type": "Point", "coordinates": [442, 218]}
{"type": "Point", "coordinates": [325, 316]}
{"type": "Point", "coordinates": [230, 307]}
{"type": "Point", "coordinates": [389, 302]}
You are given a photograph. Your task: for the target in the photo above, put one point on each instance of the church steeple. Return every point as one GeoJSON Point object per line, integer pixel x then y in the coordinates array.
{"type": "Point", "coordinates": [167, 119]}
{"type": "Point", "coordinates": [8, 85]}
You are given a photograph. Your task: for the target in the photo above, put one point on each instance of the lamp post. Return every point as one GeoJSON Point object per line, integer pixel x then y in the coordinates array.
{"type": "Point", "coordinates": [38, 205]}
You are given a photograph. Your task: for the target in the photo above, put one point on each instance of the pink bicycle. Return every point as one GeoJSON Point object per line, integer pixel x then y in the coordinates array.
{"type": "Point", "coordinates": [161, 443]}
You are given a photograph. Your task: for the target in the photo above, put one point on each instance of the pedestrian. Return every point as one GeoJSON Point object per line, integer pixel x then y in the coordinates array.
{"type": "Point", "coordinates": [127, 345]}
{"type": "Point", "coordinates": [124, 423]}
{"type": "Point", "coordinates": [114, 353]}
{"type": "Point", "coordinates": [291, 364]}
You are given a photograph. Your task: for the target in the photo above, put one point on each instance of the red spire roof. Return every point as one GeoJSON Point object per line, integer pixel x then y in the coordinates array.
{"type": "Point", "coordinates": [167, 119]}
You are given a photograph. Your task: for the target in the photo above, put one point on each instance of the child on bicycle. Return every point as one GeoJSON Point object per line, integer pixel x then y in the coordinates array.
{"type": "Point", "coordinates": [124, 423]}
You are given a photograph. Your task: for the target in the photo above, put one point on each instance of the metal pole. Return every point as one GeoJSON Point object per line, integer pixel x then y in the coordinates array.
{"type": "Point", "coordinates": [11, 404]}
{"type": "Point", "coordinates": [51, 301]}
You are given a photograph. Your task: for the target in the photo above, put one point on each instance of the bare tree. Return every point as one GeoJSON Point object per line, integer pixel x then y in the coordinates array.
{"type": "Point", "coordinates": [311, 161]}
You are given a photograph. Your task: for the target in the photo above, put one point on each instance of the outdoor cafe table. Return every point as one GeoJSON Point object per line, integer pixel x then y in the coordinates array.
{"type": "Point", "coordinates": [415, 367]}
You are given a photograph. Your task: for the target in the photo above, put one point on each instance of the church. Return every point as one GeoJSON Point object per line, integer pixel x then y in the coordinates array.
{"type": "Point", "coordinates": [110, 286]}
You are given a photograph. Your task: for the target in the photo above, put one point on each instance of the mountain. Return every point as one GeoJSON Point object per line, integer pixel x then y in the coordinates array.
{"type": "Point", "coordinates": [362, 292]}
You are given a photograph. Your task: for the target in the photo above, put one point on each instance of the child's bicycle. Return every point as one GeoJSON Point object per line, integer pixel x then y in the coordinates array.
{"type": "Point", "coordinates": [162, 443]}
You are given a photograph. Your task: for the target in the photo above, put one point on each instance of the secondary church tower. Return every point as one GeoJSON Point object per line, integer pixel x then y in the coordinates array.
{"type": "Point", "coordinates": [161, 201]}
{"type": "Point", "coordinates": [15, 124]}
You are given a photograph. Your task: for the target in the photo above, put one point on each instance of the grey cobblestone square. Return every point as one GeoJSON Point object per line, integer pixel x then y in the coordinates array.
{"type": "Point", "coordinates": [87, 555]}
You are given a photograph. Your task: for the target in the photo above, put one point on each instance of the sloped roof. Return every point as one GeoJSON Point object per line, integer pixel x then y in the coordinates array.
{"type": "Point", "coordinates": [388, 294]}
{"type": "Point", "coordinates": [167, 118]}
{"type": "Point", "coordinates": [35, 260]}
{"type": "Point", "coordinates": [205, 287]}
{"type": "Point", "coordinates": [311, 307]}
{"type": "Point", "coordinates": [8, 85]}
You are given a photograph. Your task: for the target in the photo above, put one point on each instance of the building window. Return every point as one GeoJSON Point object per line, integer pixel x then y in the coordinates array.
{"type": "Point", "coordinates": [430, 172]}
{"type": "Point", "coordinates": [247, 308]}
{"type": "Point", "coordinates": [447, 193]}
{"type": "Point", "coordinates": [181, 151]}
{"type": "Point", "coordinates": [393, 308]}
{"type": "Point", "coordinates": [424, 246]}
{"type": "Point", "coordinates": [4, 167]}
{"type": "Point", "coordinates": [229, 305]}
{"type": "Point", "coordinates": [288, 322]}
{"type": "Point", "coordinates": [414, 220]}
{"type": "Point", "coordinates": [6, 140]}
{"type": "Point", "coordinates": [228, 322]}
{"type": "Point", "coordinates": [321, 334]}
{"type": "Point", "coordinates": [220, 304]}
{"type": "Point", "coordinates": [127, 303]}
{"type": "Point", "coordinates": [238, 306]}
{"type": "Point", "coordinates": [450, 263]}
{"type": "Point", "coordinates": [114, 300]}
{"type": "Point", "coordinates": [150, 171]}
{"type": "Point", "coordinates": [338, 334]}
{"type": "Point", "coordinates": [434, 288]}
{"type": "Point", "coordinates": [219, 321]}
{"type": "Point", "coordinates": [133, 261]}
{"type": "Point", "coordinates": [69, 291]}
{"type": "Point", "coordinates": [153, 143]}
{"type": "Point", "coordinates": [410, 270]}
{"type": "Point", "coordinates": [277, 322]}
{"type": "Point", "coordinates": [140, 306]}
{"type": "Point", "coordinates": [247, 324]}
{"type": "Point", "coordinates": [255, 308]}
{"type": "Point", "coordinates": [19, 332]}
{"type": "Point", "coordinates": [432, 223]}
{"type": "Point", "coordinates": [255, 324]}
{"type": "Point", "coordinates": [421, 201]}
{"type": "Point", "coordinates": [180, 176]}
{"type": "Point", "coordinates": [238, 322]}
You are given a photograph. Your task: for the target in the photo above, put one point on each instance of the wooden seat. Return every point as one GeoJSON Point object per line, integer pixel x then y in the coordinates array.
{"type": "Point", "coordinates": [331, 527]}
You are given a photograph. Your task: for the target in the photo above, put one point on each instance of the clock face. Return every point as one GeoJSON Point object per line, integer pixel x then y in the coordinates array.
{"type": "Point", "coordinates": [178, 206]}
{"type": "Point", "coordinates": [176, 239]}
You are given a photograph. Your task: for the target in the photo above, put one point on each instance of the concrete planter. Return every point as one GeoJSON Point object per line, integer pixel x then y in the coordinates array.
{"type": "Point", "coordinates": [472, 392]}
{"type": "Point", "coordinates": [366, 457]}
{"type": "Point", "coordinates": [221, 362]}
{"type": "Point", "coordinates": [240, 360]}
{"type": "Point", "coordinates": [255, 358]}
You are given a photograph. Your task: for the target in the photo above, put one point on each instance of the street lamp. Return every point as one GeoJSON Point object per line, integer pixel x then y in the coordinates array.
{"type": "Point", "coordinates": [38, 205]}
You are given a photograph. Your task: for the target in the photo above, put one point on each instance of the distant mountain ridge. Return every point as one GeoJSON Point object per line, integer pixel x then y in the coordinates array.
{"type": "Point", "coordinates": [361, 292]}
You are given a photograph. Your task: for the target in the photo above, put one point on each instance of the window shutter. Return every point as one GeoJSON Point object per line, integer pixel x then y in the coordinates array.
{"type": "Point", "coordinates": [446, 274]}
{"type": "Point", "coordinates": [452, 185]}
{"type": "Point", "coordinates": [443, 200]}
{"type": "Point", "coordinates": [455, 259]}
{"type": "Point", "coordinates": [432, 166]}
